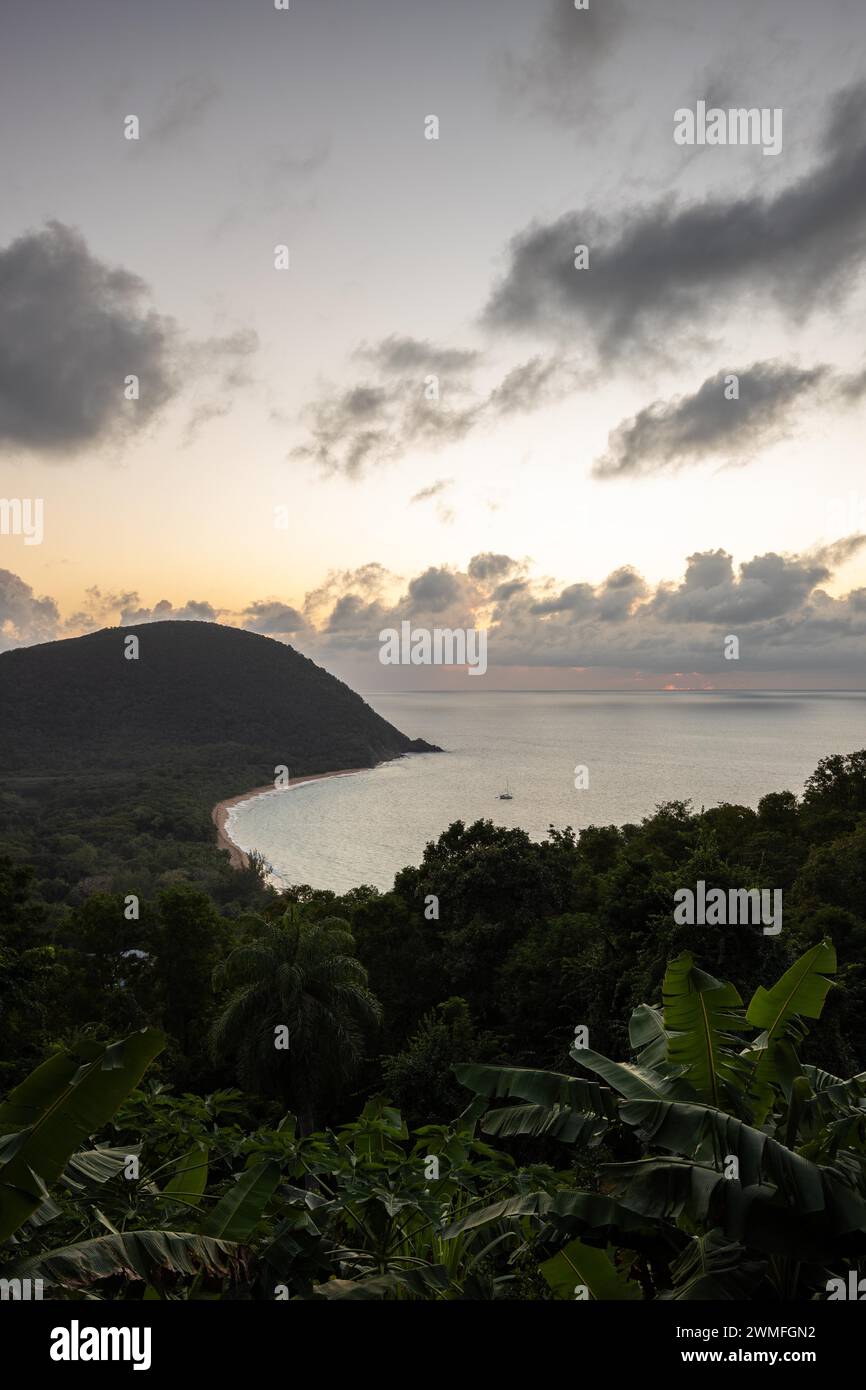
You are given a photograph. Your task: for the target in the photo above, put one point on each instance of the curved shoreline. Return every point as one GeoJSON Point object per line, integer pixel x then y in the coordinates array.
{"type": "Point", "coordinates": [238, 858]}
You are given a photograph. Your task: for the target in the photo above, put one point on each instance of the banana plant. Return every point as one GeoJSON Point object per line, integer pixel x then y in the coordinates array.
{"type": "Point", "coordinates": [60, 1106]}
{"type": "Point", "coordinates": [753, 1172]}
{"type": "Point", "coordinates": [56, 1110]}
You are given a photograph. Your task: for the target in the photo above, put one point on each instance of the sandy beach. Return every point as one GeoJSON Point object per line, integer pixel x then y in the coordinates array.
{"type": "Point", "coordinates": [238, 858]}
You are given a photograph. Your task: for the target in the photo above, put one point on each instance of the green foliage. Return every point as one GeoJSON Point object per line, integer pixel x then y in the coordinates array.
{"type": "Point", "coordinates": [301, 976]}
{"type": "Point", "coordinates": [357, 1213]}
{"type": "Point", "coordinates": [237, 1198]}
{"type": "Point", "coordinates": [55, 1110]}
{"type": "Point", "coordinates": [123, 802]}
{"type": "Point", "coordinates": [743, 1189]}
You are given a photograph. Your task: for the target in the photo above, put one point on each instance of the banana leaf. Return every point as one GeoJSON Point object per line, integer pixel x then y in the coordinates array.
{"type": "Point", "coordinates": [64, 1108]}
{"type": "Point", "coordinates": [147, 1256]}
{"type": "Point", "coordinates": [580, 1264]}
{"type": "Point", "coordinates": [239, 1210]}
{"type": "Point", "coordinates": [541, 1087]}
{"type": "Point", "coordinates": [702, 1016]}
{"type": "Point", "coordinates": [187, 1186]}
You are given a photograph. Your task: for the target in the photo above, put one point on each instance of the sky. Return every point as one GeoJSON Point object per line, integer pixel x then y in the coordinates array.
{"type": "Point", "coordinates": [284, 361]}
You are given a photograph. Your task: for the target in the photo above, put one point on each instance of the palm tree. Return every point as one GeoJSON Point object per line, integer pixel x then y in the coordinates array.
{"type": "Point", "coordinates": [299, 1010]}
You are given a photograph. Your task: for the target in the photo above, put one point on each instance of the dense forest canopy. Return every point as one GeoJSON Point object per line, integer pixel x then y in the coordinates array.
{"type": "Point", "coordinates": [403, 1016]}
{"type": "Point", "coordinates": [505, 998]}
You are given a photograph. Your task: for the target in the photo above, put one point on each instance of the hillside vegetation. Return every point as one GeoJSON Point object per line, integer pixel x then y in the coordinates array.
{"type": "Point", "coordinates": [106, 761]}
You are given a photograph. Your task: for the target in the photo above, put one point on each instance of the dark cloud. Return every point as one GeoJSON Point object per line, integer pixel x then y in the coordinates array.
{"type": "Point", "coordinates": [576, 598]}
{"type": "Point", "coordinates": [532, 384]}
{"type": "Point", "coordinates": [670, 434]}
{"type": "Point", "coordinates": [851, 388]}
{"type": "Point", "coordinates": [558, 77]}
{"type": "Point", "coordinates": [434, 490]}
{"type": "Point", "coordinates": [182, 108]}
{"type": "Point", "coordinates": [379, 421]}
{"type": "Point", "coordinates": [619, 593]}
{"type": "Point", "coordinates": [838, 552]}
{"type": "Point", "coordinates": [659, 267]}
{"type": "Point", "coordinates": [433, 591]}
{"type": "Point", "coordinates": [400, 354]}
{"type": "Point", "coordinates": [194, 610]}
{"type": "Point", "coordinates": [488, 566]}
{"type": "Point", "coordinates": [352, 623]}
{"type": "Point", "coordinates": [777, 605]}
{"type": "Point", "coordinates": [271, 616]}
{"type": "Point", "coordinates": [769, 586]}
{"type": "Point", "coordinates": [24, 618]}
{"type": "Point", "coordinates": [72, 329]}
{"type": "Point", "coordinates": [504, 592]}
{"type": "Point", "coordinates": [371, 424]}
{"type": "Point", "coordinates": [434, 493]}
{"type": "Point", "coordinates": [369, 580]}
{"type": "Point", "coordinates": [99, 609]}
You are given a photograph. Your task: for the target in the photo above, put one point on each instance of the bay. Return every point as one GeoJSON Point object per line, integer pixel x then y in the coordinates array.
{"type": "Point", "coordinates": [640, 749]}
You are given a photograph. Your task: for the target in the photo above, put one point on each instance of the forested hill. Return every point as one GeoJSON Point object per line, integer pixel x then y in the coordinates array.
{"type": "Point", "coordinates": [214, 695]}
{"type": "Point", "coordinates": [109, 767]}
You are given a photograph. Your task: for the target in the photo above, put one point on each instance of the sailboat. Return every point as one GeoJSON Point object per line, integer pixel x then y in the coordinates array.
{"type": "Point", "coordinates": [506, 795]}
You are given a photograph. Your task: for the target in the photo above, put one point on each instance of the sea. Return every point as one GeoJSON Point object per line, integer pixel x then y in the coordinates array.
{"type": "Point", "coordinates": [568, 758]}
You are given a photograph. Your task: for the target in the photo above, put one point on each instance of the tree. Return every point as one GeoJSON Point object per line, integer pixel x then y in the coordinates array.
{"type": "Point", "coordinates": [189, 941]}
{"type": "Point", "coordinates": [298, 1013]}
{"type": "Point", "coordinates": [419, 1078]}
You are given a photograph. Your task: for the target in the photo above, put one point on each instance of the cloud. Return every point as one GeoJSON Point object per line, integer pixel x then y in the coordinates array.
{"type": "Point", "coordinates": [575, 598]}
{"type": "Point", "coordinates": [72, 329]}
{"type": "Point", "coordinates": [434, 492]}
{"type": "Point", "coordinates": [777, 605]}
{"type": "Point", "coordinates": [688, 429]}
{"type": "Point", "coordinates": [659, 267]}
{"type": "Point", "coordinates": [434, 591]}
{"type": "Point", "coordinates": [668, 435]}
{"type": "Point", "coordinates": [401, 354]}
{"type": "Point", "coordinates": [838, 552]}
{"type": "Point", "coordinates": [769, 586]}
{"type": "Point", "coordinates": [223, 363]}
{"type": "Point", "coordinates": [378, 421]}
{"type": "Point", "coordinates": [371, 423]}
{"type": "Point", "coordinates": [532, 384]}
{"type": "Point", "coordinates": [487, 566]}
{"type": "Point", "coordinates": [290, 162]}
{"type": "Point", "coordinates": [371, 581]}
{"type": "Point", "coordinates": [99, 609]}
{"type": "Point", "coordinates": [271, 616]}
{"type": "Point", "coordinates": [194, 610]}
{"type": "Point", "coordinates": [558, 77]}
{"type": "Point", "coordinates": [24, 618]}
{"type": "Point", "coordinates": [183, 108]}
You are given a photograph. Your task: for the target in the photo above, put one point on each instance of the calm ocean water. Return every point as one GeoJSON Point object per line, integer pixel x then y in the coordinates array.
{"type": "Point", "coordinates": [640, 749]}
